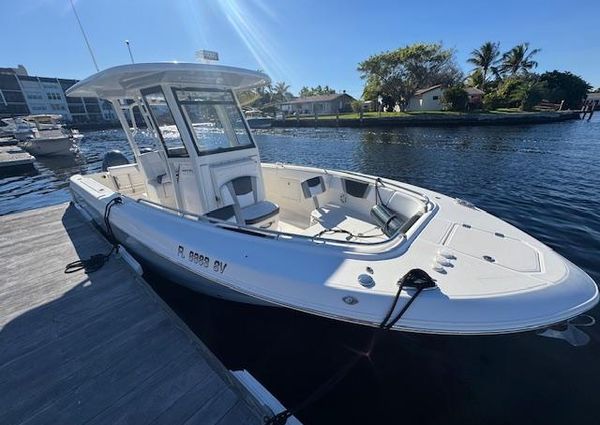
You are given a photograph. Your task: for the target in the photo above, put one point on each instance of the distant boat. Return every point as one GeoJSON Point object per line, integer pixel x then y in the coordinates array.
{"type": "Point", "coordinates": [257, 120]}
{"type": "Point", "coordinates": [43, 135]}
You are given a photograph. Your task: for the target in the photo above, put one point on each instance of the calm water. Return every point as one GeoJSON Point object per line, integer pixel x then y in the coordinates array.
{"type": "Point", "coordinates": [544, 179]}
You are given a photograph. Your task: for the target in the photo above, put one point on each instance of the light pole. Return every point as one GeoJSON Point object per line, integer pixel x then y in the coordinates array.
{"type": "Point", "coordinates": [129, 49]}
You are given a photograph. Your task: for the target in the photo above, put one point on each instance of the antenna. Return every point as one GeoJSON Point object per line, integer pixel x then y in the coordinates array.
{"type": "Point", "coordinates": [129, 49]}
{"type": "Point", "coordinates": [84, 36]}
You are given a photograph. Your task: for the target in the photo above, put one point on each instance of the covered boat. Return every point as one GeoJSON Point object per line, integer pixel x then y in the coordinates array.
{"type": "Point", "coordinates": [201, 208]}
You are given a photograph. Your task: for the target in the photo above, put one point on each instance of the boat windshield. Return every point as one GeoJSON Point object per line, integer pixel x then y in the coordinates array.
{"type": "Point", "coordinates": [164, 122]}
{"type": "Point", "coordinates": [216, 121]}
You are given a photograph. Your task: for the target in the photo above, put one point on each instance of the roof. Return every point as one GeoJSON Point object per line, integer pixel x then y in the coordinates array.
{"type": "Point", "coordinates": [474, 91]}
{"type": "Point", "coordinates": [422, 91]}
{"type": "Point", "coordinates": [318, 98]}
{"type": "Point", "coordinates": [126, 80]}
{"type": "Point", "coordinates": [593, 96]}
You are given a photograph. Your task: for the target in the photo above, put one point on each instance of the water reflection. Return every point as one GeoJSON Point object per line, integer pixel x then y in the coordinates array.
{"type": "Point", "coordinates": [544, 179]}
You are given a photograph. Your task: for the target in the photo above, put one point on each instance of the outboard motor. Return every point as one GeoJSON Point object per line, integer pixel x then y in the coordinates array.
{"type": "Point", "coordinates": [113, 158]}
{"type": "Point", "coordinates": [386, 219]}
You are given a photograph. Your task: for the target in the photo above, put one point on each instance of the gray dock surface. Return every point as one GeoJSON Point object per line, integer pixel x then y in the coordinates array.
{"type": "Point", "coordinates": [98, 348]}
{"type": "Point", "coordinates": [13, 156]}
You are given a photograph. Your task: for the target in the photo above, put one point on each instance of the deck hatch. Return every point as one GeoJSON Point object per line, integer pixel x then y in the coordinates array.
{"type": "Point", "coordinates": [506, 251]}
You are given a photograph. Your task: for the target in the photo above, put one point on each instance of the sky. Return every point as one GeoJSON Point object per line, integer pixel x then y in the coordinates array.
{"type": "Point", "coordinates": [301, 42]}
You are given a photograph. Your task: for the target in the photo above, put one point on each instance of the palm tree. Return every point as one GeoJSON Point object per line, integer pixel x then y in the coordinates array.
{"type": "Point", "coordinates": [475, 79]}
{"type": "Point", "coordinates": [485, 58]}
{"type": "Point", "coordinates": [519, 59]}
{"type": "Point", "coordinates": [281, 91]}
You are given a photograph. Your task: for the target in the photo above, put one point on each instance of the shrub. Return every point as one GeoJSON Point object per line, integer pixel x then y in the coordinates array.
{"type": "Point", "coordinates": [494, 100]}
{"type": "Point", "coordinates": [565, 86]}
{"type": "Point", "coordinates": [528, 94]}
{"type": "Point", "coordinates": [357, 105]}
{"type": "Point", "coordinates": [455, 98]}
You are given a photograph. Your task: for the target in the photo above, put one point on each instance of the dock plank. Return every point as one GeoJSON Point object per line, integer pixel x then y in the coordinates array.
{"type": "Point", "coordinates": [12, 156]}
{"type": "Point", "coordinates": [100, 348]}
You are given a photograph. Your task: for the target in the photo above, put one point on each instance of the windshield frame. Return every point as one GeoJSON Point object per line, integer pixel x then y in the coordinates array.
{"type": "Point", "coordinates": [190, 127]}
{"type": "Point", "coordinates": [170, 153]}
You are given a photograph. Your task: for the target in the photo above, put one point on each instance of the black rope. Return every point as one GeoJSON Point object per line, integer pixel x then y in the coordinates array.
{"type": "Point", "coordinates": [282, 417]}
{"type": "Point", "coordinates": [416, 279]}
{"type": "Point", "coordinates": [96, 261]}
{"type": "Point", "coordinates": [378, 200]}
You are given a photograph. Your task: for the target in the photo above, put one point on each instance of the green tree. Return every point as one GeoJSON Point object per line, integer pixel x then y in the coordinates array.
{"type": "Point", "coordinates": [484, 60]}
{"type": "Point", "coordinates": [565, 86]}
{"type": "Point", "coordinates": [397, 74]}
{"type": "Point", "coordinates": [455, 98]}
{"type": "Point", "coordinates": [280, 92]}
{"type": "Point", "coordinates": [315, 91]}
{"type": "Point", "coordinates": [494, 100]}
{"type": "Point", "coordinates": [357, 105]}
{"type": "Point", "coordinates": [519, 59]}
{"type": "Point", "coordinates": [528, 92]}
{"type": "Point", "coordinates": [475, 79]}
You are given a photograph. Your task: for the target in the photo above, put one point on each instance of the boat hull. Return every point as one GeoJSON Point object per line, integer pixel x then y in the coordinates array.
{"type": "Point", "coordinates": [258, 123]}
{"type": "Point", "coordinates": [528, 286]}
{"type": "Point", "coordinates": [56, 146]}
{"type": "Point", "coordinates": [173, 272]}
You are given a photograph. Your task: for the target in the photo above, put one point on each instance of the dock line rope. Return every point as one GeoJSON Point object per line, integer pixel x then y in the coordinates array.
{"type": "Point", "coordinates": [96, 261]}
{"type": "Point", "coordinates": [282, 417]}
{"type": "Point", "coordinates": [416, 279]}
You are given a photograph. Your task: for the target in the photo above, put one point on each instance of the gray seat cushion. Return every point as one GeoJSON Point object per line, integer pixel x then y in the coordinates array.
{"type": "Point", "coordinates": [226, 213]}
{"type": "Point", "coordinates": [259, 211]}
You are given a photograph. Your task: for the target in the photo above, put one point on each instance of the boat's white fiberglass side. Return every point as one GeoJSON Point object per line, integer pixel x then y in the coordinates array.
{"type": "Point", "coordinates": [43, 135]}
{"type": "Point", "coordinates": [330, 243]}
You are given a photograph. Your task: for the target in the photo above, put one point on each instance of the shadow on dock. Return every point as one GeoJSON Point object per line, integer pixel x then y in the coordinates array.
{"type": "Point", "coordinates": [98, 348]}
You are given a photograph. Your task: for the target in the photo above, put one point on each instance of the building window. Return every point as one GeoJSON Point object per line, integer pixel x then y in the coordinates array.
{"type": "Point", "coordinates": [436, 97]}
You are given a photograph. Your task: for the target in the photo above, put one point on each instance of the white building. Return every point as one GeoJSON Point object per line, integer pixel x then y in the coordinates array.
{"type": "Point", "coordinates": [44, 97]}
{"type": "Point", "coordinates": [430, 99]}
{"type": "Point", "coordinates": [23, 94]}
{"type": "Point", "coordinates": [320, 105]}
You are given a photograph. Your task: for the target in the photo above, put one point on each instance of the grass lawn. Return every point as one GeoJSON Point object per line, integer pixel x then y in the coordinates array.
{"type": "Point", "coordinates": [367, 115]}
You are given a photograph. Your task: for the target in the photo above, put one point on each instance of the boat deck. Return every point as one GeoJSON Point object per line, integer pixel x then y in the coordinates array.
{"type": "Point", "coordinates": [98, 348]}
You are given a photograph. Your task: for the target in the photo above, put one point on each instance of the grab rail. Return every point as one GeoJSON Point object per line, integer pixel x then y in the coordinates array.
{"type": "Point", "coordinates": [265, 232]}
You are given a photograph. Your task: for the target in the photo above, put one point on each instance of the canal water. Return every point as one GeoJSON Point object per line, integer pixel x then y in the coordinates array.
{"type": "Point", "coordinates": [544, 179]}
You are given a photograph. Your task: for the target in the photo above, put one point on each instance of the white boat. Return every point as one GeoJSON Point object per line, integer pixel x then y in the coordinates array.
{"type": "Point", "coordinates": [43, 135]}
{"type": "Point", "coordinates": [257, 120]}
{"type": "Point", "coordinates": [202, 209]}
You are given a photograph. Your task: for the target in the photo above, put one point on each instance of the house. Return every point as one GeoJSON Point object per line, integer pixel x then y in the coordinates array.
{"type": "Point", "coordinates": [430, 99]}
{"type": "Point", "coordinates": [475, 96]}
{"type": "Point", "coordinates": [319, 105]}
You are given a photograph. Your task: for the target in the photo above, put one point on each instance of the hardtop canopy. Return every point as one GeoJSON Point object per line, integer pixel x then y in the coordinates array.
{"type": "Point", "coordinates": [126, 80]}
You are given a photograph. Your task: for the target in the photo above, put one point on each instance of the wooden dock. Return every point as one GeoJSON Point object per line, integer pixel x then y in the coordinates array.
{"type": "Point", "coordinates": [13, 156]}
{"type": "Point", "coordinates": [98, 348]}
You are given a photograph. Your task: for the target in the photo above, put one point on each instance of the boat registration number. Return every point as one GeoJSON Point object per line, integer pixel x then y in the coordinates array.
{"type": "Point", "coordinates": [202, 260]}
